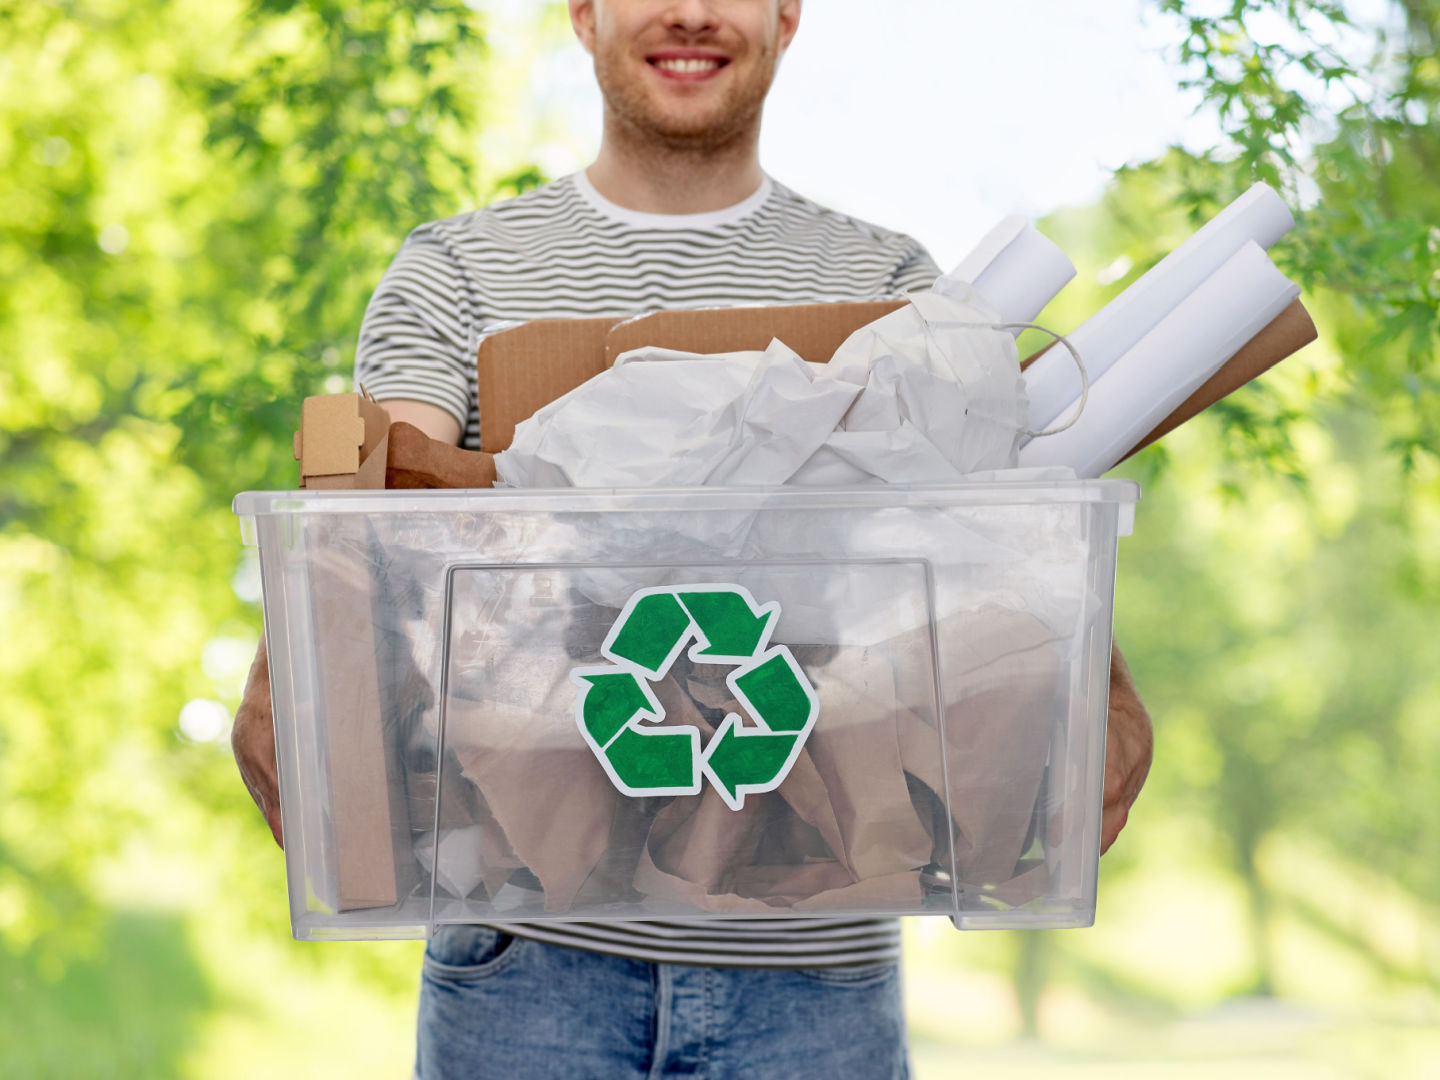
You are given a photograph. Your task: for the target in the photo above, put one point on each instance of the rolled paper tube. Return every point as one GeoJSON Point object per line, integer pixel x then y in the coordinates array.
{"type": "Point", "coordinates": [1015, 267]}
{"type": "Point", "coordinates": [1259, 216]}
{"type": "Point", "coordinates": [1286, 335]}
{"type": "Point", "coordinates": [1168, 365]}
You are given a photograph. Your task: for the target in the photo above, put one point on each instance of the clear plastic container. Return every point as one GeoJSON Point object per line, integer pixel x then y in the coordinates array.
{"type": "Point", "coordinates": [522, 705]}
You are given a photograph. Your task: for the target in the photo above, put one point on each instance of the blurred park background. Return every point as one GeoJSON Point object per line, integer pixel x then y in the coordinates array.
{"type": "Point", "coordinates": [196, 198]}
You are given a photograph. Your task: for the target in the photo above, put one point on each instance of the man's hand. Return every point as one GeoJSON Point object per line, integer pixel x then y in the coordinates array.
{"type": "Point", "coordinates": [1129, 747]}
{"type": "Point", "coordinates": [253, 740]}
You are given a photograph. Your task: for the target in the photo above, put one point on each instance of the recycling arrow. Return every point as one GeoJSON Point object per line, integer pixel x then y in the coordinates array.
{"type": "Point", "coordinates": [728, 622]}
{"type": "Point", "coordinates": [658, 762]}
{"type": "Point", "coordinates": [617, 711]}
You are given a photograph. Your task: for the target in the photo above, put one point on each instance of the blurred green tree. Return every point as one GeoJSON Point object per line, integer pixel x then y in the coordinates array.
{"type": "Point", "coordinates": [1287, 544]}
{"type": "Point", "coordinates": [1338, 104]}
{"type": "Point", "coordinates": [196, 198]}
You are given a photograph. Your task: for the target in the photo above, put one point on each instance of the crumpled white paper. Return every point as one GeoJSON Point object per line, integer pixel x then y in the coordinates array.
{"type": "Point", "coordinates": [942, 396]}
{"type": "Point", "coordinates": [462, 858]}
{"type": "Point", "coordinates": [931, 393]}
{"type": "Point", "coordinates": [926, 394]}
{"type": "Point", "coordinates": [661, 418]}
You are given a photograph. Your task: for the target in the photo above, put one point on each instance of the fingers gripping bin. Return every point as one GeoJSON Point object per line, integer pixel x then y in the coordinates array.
{"type": "Point", "coordinates": [639, 704]}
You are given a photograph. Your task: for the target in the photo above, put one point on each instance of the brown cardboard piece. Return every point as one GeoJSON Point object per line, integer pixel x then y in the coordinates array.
{"type": "Point", "coordinates": [342, 443]}
{"type": "Point", "coordinates": [814, 331]}
{"type": "Point", "coordinates": [414, 460]}
{"type": "Point", "coordinates": [346, 441]}
{"type": "Point", "coordinates": [524, 368]}
{"type": "Point", "coordinates": [521, 369]}
{"type": "Point", "coordinates": [338, 435]}
{"type": "Point", "coordinates": [402, 456]}
{"type": "Point", "coordinates": [362, 789]}
{"type": "Point", "coordinates": [1290, 332]}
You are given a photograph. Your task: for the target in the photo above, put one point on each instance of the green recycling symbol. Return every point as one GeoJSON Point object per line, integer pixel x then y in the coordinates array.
{"type": "Point", "coordinates": [617, 711]}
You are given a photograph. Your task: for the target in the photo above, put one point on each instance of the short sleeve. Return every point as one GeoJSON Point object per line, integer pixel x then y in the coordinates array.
{"type": "Point", "coordinates": [917, 270]}
{"type": "Point", "coordinates": [415, 340]}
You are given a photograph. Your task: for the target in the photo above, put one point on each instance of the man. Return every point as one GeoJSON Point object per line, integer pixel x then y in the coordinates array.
{"type": "Point", "coordinates": [675, 212]}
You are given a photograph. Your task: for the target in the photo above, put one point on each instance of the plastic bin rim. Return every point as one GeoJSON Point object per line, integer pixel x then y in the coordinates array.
{"type": "Point", "coordinates": [439, 500]}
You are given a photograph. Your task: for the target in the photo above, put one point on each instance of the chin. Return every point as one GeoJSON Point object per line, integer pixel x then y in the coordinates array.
{"type": "Point", "coordinates": [689, 116]}
{"type": "Point", "coordinates": [690, 125]}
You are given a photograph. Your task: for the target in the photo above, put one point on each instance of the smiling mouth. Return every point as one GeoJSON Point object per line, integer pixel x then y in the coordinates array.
{"type": "Point", "coordinates": [689, 65]}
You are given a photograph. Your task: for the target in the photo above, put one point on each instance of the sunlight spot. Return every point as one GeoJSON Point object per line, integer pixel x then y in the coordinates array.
{"type": "Point", "coordinates": [203, 720]}
{"type": "Point", "coordinates": [54, 151]}
{"type": "Point", "coordinates": [1115, 271]}
{"type": "Point", "coordinates": [246, 582]}
{"type": "Point", "coordinates": [114, 238]}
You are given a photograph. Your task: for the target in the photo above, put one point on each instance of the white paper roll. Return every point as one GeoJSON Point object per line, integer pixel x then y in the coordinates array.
{"type": "Point", "coordinates": [1259, 216]}
{"type": "Point", "coordinates": [1168, 364]}
{"type": "Point", "coordinates": [1016, 267]}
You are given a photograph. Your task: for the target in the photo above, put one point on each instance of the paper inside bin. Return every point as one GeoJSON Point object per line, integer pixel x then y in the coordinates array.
{"type": "Point", "coordinates": [855, 824]}
{"type": "Point", "coordinates": [363, 793]}
{"type": "Point", "coordinates": [1015, 267]}
{"type": "Point", "coordinates": [1155, 377]}
{"type": "Point", "coordinates": [461, 866]}
{"type": "Point", "coordinates": [813, 331]}
{"type": "Point", "coordinates": [1286, 335]}
{"type": "Point", "coordinates": [925, 393]}
{"type": "Point", "coordinates": [337, 439]}
{"type": "Point", "coordinates": [663, 418]}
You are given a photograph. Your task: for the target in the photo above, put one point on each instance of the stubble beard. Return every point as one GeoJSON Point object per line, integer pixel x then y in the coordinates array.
{"type": "Point", "coordinates": [734, 121]}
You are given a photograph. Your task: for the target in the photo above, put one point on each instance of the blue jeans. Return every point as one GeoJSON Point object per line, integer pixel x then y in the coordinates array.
{"type": "Point", "coordinates": [492, 1005]}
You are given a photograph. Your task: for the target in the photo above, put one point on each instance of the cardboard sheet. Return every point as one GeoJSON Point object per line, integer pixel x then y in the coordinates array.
{"type": "Point", "coordinates": [524, 367]}
{"type": "Point", "coordinates": [414, 460]}
{"type": "Point", "coordinates": [347, 442]}
{"type": "Point", "coordinates": [338, 434]}
{"type": "Point", "coordinates": [1290, 332]}
{"type": "Point", "coordinates": [357, 753]}
{"type": "Point", "coordinates": [814, 331]}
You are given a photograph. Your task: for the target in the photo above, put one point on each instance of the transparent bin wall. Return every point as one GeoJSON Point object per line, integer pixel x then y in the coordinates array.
{"type": "Point", "coordinates": [423, 660]}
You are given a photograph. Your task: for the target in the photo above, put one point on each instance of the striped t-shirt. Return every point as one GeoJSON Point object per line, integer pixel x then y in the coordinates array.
{"type": "Point", "coordinates": [564, 251]}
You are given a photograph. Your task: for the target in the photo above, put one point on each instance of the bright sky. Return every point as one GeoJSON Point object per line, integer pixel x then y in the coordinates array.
{"type": "Point", "coordinates": [936, 117]}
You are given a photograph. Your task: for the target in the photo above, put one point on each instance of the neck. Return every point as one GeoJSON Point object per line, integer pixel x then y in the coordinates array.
{"type": "Point", "coordinates": [639, 173]}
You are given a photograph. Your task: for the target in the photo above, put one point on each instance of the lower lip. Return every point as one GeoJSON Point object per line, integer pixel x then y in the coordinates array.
{"type": "Point", "coordinates": [689, 76]}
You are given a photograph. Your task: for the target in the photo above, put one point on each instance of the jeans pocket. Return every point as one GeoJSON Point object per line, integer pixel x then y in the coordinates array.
{"type": "Point", "coordinates": [459, 953]}
{"type": "Point", "coordinates": [856, 975]}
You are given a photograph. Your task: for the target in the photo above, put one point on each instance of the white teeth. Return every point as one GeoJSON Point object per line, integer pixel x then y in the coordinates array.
{"type": "Point", "coordinates": [688, 66]}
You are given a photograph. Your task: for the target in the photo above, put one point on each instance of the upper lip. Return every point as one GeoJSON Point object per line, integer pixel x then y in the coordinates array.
{"type": "Point", "coordinates": [687, 54]}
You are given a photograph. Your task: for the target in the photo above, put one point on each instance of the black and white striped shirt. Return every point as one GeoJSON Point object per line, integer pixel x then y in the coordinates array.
{"type": "Point", "coordinates": [564, 251]}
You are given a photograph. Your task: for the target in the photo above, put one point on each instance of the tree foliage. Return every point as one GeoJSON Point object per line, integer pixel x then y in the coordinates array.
{"type": "Point", "coordinates": [1338, 105]}
{"type": "Point", "coordinates": [197, 199]}
{"type": "Point", "coordinates": [1287, 542]}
